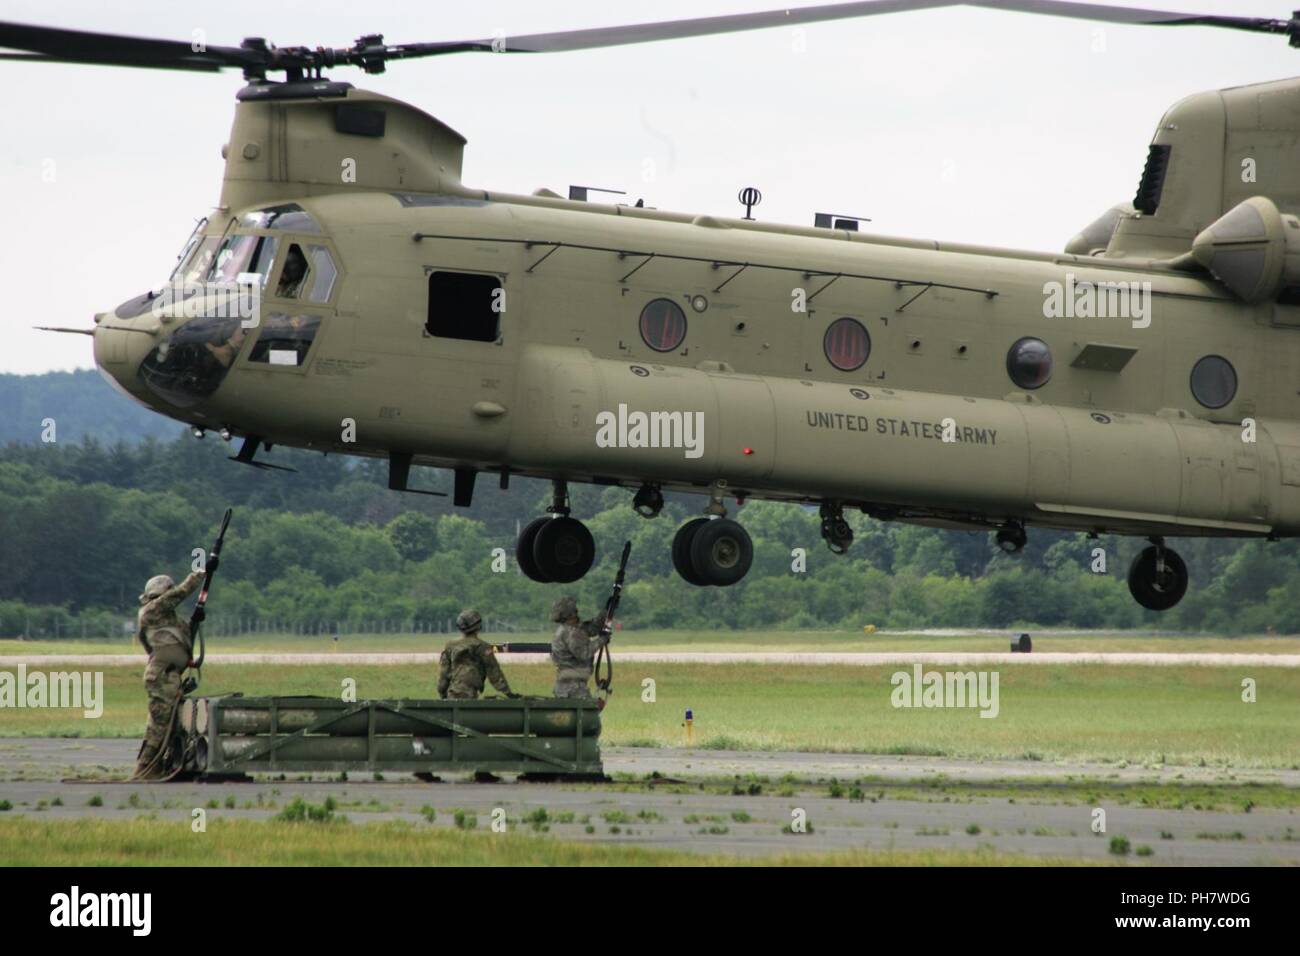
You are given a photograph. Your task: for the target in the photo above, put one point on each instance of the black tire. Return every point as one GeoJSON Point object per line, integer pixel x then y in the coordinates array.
{"type": "Point", "coordinates": [721, 552]}
{"type": "Point", "coordinates": [1153, 591]}
{"type": "Point", "coordinates": [524, 551]}
{"type": "Point", "coordinates": [682, 552]}
{"type": "Point", "coordinates": [564, 550]}
{"type": "Point", "coordinates": [1012, 540]}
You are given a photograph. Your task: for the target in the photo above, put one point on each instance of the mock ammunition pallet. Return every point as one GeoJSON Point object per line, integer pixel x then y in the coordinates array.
{"type": "Point", "coordinates": [232, 734]}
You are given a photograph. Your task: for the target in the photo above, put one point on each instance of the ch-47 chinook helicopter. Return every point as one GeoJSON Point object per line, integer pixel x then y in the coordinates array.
{"type": "Point", "coordinates": [399, 313]}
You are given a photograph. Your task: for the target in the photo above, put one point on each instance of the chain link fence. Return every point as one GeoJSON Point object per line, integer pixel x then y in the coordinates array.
{"type": "Point", "coordinates": [35, 627]}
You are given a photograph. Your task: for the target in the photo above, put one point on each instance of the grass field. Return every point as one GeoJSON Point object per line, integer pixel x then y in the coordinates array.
{"type": "Point", "coordinates": [808, 641]}
{"type": "Point", "coordinates": [1183, 714]}
{"type": "Point", "coordinates": [144, 842]}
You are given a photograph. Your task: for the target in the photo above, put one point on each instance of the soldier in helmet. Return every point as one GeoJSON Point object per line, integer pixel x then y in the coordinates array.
{"type": "Point", "coordinates": [573, 650]}
{"type": "Point", "coordinates": [467, 661]}
{"type": "Point", "coordinates": [166, 639]}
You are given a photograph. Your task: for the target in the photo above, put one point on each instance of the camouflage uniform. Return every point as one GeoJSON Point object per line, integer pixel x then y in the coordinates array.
{"type": "Point", "coordinates": [166, 638]}
{"type": "Point", "coordinates": [467, 661]}
{"type": "Point", "coordinates": [573, 650]}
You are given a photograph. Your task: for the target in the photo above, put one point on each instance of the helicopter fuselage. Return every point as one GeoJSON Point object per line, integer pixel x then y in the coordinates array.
{"type": "Point", "coordinates": [928, 424]}
{"type": "Point", "coordinates": [956, 385]}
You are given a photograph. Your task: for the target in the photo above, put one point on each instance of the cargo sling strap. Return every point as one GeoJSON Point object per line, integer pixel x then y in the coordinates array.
{"type": "Point", "coordinates": [191, 683]}
{"type": "Point", "coordinates": [604, 665]}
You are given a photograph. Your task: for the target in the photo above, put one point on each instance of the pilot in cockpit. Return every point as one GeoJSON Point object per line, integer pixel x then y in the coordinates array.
{"type": "Point", "coordinates": [291, 276]}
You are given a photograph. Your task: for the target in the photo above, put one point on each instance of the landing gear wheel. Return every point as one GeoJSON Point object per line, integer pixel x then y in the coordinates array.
{"type": "Point", "coordinates": [836, 532]}
{"type": "Point", "coordinates": [682, 551]}
{"type": "Point", "coordinates": [564, 550]}
{"type": "Point", "coordinates": [648, 501]}
{"type": "Point", "coordinates": [1158, 578]}
{"type": "Point", "coordinates": [524, 551]}
{"type": "Point", "coordinates": [1012, 538]}
{"type": "Point", "coordinates": [721, 552]}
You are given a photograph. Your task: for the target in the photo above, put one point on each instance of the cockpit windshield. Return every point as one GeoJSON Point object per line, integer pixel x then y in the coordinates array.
{"type": "Point", "coordinates": [290, 217]}
{"type": "Point", "coordinates": [196, 266]}
{"type": "Point", "coordinates": [242, 257]}
{"type": "Point", "coordinates": [187, 251]}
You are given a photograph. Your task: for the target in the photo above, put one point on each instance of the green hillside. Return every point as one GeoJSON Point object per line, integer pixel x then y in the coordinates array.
{"type": "Point", "coordinates": [82, 405]}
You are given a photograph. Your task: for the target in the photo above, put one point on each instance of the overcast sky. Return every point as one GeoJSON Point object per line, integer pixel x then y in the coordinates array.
{"type": "Point", "coordinates": [966, 125]}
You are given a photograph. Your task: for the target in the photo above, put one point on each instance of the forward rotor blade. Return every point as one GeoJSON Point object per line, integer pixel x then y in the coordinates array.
{"type": "Point", "coordinates": [42, 58]}
{"type": "Point", "coordinates": [111, 49]}
{"type": "Point", "coordinates": [51, 44]}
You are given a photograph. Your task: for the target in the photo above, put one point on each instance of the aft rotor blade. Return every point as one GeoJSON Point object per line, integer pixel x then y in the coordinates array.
{"type": "Point", "coordinates": [1135, 16]}
{"type": "Point", "coordinates": [599, 37]}
{"type": "Point", "coordinates": [705, 26]}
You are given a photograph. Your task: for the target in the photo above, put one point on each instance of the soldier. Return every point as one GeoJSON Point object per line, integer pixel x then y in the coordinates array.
{"type": "Point", "coordinates": [291, 276]}
{"type": "Point", "coordinates": [166, 639]}
{"type": "Point", "coordinates": [467, 661]}
{"type": "Point", "coordinates": [573, 650]}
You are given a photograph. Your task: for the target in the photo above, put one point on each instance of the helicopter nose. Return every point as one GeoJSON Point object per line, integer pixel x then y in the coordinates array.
{"type": "Point", "coordinates": [120, 347]}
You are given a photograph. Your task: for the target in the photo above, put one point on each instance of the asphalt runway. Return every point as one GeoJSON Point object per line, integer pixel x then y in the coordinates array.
{"type": "Point", "coordinates": [692, 815]}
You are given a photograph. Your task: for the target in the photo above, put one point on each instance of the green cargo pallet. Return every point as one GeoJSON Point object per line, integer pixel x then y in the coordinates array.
{"type": "Point", "coordinates": [241, 735]}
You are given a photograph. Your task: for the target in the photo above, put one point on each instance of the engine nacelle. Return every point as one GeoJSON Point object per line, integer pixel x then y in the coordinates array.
{"type": "Point", "coordinates": [1253, 249]}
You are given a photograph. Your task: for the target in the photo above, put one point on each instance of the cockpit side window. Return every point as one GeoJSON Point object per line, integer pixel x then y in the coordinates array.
{"type": "Point", "coordinates": [308, 273]}
{"type": "Point", "coordinates": [323, 273]}
{"type": "Point", "coordinates": [285, 339]}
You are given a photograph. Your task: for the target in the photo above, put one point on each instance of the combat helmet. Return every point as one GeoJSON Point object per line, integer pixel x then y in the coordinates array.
{"type": "Point", "coordinates": [157, 585]}
{"type": "Point", "coordinates": [469, 620]}
{"type": "Point", "coordinates": [565, 608]}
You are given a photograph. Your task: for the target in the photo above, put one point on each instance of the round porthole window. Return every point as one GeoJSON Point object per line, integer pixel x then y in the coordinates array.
{"type": "Point", "coordinates": [663, 325]}
{"type": "Point", "coordinates": [1029, 363]}
{"type": "Point", "coordinates": [847, 344]}
{"type": "Point", "coordinates": [1214, 381]}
